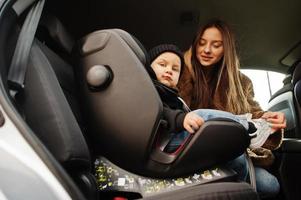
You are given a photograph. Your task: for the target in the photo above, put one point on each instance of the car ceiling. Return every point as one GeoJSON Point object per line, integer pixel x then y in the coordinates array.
{"type": "Point", "coordinates": [265, 30]}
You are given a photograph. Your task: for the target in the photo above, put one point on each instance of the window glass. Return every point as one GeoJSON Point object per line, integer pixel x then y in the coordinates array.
{"type": "Point", "coordinates": [265, 84]}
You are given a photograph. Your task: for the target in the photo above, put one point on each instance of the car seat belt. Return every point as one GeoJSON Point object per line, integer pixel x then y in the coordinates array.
{"type": "Point", "coordinates": [251, 172]}
{"type": "Point", "coordinates": [17, 70]}
{"type": "Point", "coordinates": [185, 106]}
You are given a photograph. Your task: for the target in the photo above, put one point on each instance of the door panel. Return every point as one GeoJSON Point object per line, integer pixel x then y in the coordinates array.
{"type": "Point", "coordinates": [289, 155]}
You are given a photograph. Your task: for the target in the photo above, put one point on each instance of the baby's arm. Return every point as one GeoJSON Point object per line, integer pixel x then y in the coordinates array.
{"type": "Point", "coordinates": [192, 122]}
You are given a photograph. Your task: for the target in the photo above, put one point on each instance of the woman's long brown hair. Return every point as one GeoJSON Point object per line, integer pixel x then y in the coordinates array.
{"type": "Point", "coordinates": [221, 88]}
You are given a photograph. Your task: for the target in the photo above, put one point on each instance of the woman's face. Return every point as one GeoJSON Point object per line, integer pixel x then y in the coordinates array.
{"type": "Point", "coordinates": [210, 48]}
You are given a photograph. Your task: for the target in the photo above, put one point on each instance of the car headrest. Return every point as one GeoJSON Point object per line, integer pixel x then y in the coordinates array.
{"type": "Point", "coordinates": [54, 32]}
{"type": "Point", "coordinates": [296, 72]}
{"type": "Point", "coordinates": [134, 44]}
{"type": "Point", "coordinates": [296, 80]}
{"type": "Point", "coordinates": [138, 49]}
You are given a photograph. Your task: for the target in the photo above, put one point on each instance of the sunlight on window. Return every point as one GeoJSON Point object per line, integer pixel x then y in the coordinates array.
{"type": "Point", "coordinates": [262, 89]}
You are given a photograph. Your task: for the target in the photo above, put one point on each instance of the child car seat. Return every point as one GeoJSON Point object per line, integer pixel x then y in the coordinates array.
{"type": "Point", "coordinates": [124, 112]}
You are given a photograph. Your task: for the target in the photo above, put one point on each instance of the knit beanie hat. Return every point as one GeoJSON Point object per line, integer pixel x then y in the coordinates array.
{"type": "Point", "coordinates": [158, 50]}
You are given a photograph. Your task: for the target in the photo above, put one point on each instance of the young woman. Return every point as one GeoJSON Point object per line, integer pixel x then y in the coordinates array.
{"type": "Point", "coordinates": [211, 79]}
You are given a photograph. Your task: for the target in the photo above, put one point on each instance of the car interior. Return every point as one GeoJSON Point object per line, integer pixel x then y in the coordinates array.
{"type": "Point", "coordinates": [74, 74]}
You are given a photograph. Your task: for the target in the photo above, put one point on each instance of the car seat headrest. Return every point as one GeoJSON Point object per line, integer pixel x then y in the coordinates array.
{"type": "Point", "coordinates": [55, 33]}
{"type": "Point", "coordinates": [296, 72]}
{"type": "Point", "coordinates": [135, 45]}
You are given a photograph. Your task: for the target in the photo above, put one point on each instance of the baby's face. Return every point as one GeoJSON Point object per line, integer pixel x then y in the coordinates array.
{"type": "Point", "coordinates": [167, 67]}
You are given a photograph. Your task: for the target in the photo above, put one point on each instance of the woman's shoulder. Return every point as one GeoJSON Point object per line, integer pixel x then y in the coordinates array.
{"type": "Point", "coordinates": [244, 79]}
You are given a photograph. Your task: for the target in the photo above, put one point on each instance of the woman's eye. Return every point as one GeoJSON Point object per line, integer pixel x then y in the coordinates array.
{"type": "Point", "coordinates": [217, 45]}
{"type": "Point", "coordinates": [162, 64]}
{"type": "Point", "coordinates": [202, 42]}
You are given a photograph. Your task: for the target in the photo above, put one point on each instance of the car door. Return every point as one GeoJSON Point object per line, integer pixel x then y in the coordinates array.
{"type": "Point", "coordinates": [289, 155]}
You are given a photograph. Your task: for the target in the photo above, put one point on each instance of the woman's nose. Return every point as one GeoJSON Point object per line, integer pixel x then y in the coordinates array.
{"type": "Point", "coordinates": [207, 49]}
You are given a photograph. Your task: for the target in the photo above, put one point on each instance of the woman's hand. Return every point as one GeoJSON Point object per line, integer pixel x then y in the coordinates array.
{"type": "Point", "coordinates": [277, 120]}
{"type": "Point", "coordinates": [192, 122]}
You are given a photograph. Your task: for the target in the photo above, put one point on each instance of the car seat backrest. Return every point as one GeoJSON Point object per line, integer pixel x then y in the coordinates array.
{"type": "Point", "coordinates": [48, 113]}
{"type": "Point", "coordinates": [46, 103]}
{"type": "Point", "coordinates": [41, 100]}
{"type": "Point", "coordinates": [116, 114]}
{"type": "Point", "coordinates": [296, 80]}
{"type": "Point", "coordinates": [287, 100]}
{"type": "Point", "coordinates": [57, 46]}
{"type": "Point", "coordinates": [66, 78]}
{"type": "Point", "coordinates": [296, 72]}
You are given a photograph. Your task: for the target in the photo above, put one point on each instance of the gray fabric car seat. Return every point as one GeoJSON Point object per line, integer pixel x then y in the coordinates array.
{"type": "Point", "coordinates": [48, 112]}
{"type": "Point", "coordinates": [44, 99]}
{"type": "Point", "coordinates": [287, 100]}
{"type": "Point", "coordinates": [296, 82]}
{"type": "Point", "coordinates": [124, 113]}
{"type": "Point", "coordinates": [40, 100]}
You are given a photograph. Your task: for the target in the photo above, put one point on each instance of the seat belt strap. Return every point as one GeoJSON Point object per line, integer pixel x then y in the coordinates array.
{"type": "Point", "coordinates": [17, 70]}
{"type": "Point", "coordinates": [251, 172]}
{"type": "Point", "coordinates": [185, 106]}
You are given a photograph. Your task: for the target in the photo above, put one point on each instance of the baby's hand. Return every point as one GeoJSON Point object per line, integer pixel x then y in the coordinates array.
{"type": "Point", "coordinates": [192, 122]}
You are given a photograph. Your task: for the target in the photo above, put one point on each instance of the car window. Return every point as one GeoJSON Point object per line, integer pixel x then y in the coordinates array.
{"type": "Point", "coordinates": [265, 84]}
